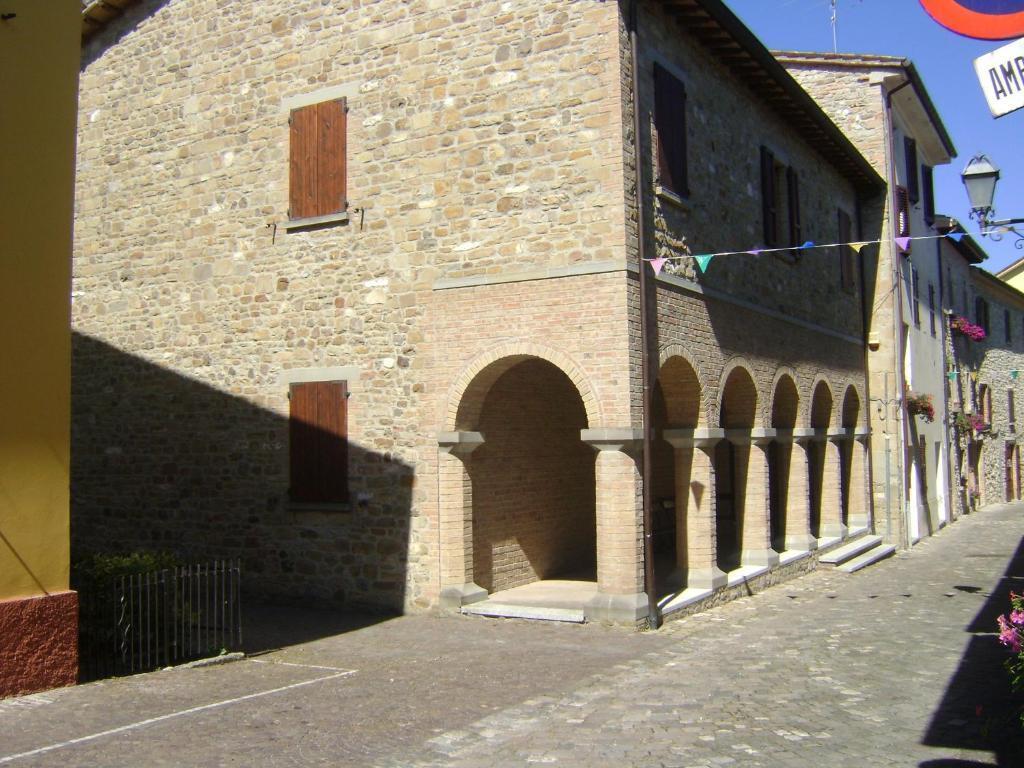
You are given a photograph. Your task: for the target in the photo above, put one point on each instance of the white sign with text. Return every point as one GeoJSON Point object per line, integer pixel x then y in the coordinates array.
{"type": "Point", "coordinates": [1001, 73]}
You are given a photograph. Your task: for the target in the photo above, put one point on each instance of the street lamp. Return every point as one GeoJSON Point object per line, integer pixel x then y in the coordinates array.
{"type": "Point", "coordinates": [980, 177]}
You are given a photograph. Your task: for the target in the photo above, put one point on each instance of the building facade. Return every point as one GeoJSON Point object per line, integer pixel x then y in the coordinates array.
{"type": "Point", "coordinates": [369, 314]}
{"type": "Point", "coordinates": [38, 87]}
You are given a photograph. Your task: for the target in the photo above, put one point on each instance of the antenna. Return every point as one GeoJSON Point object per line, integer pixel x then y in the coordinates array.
{"type": "Point", "coordinates": [835, 23]}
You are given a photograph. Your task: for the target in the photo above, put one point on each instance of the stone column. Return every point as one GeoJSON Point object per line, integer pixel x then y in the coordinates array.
{"type": "Point", "coordinates": [756, 540]}
{"type": "Point", "coordinates": [860, 493]}
{"type": "Point", "coordinates": [798, 512]}
{"type": "Point", "coordinates": [832, 525]}
{"type": "Point", "coordinates": [455, 518]}
{"type": "Point", "coordinates": [696, 530]}
{"type": "Point", "coordinates": [619, 506]}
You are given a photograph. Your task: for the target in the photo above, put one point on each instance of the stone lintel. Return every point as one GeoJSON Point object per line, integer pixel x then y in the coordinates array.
{"type": "Point", "coordinates": [861, 434]}
{"type": "Point", "coordinates": [738, 436]}
{"type": "Point", "coordinates": [623, 439]}
{"type": "Point", "coordinates": [459, 443]}
{"type": "Point", "coordinates": [784, 435]}
{"type": "Point", "coordinates": [693, 438]}
{"type": "Point", "coordinates": [456, 596]}
{"type": "Point", "coordinates": [840, 434]}
{"type": "Point", "coordinates": [762, 436]}
{"type": "Point", "coordinates": [803, 434]}
{"type": "Point", "coordinates": [628, 609]}
{"type": "Point", "coordinates": [818, 434]}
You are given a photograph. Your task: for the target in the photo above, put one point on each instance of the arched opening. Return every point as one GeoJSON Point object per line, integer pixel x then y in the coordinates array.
{"type": "Point", "coordinates": [676, 406]}
{"type": "Point", "coordinates": [785, 404]}
{"type": "Point", "coordinates": [821, 418]}
{"type": "Point", "coordinates": [533, 513]}
{"type": "Point", "coordinates": [850, 468]}
{"type": "Point", "coordinates": [732, 461]}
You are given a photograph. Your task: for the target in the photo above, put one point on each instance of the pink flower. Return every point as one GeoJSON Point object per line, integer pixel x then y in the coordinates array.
{"type": "Point", "coordinates": [1017, 617]}
{"type": "Point", "coordinates": [1008, 636]}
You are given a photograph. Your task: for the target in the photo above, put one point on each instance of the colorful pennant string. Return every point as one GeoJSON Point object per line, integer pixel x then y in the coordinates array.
{"type": "Point", "coordinates": [703, 261]}
{"type": "Point", "coordinates": [903, 243]}
{"type": "Point", "coordinates": [657, 264]}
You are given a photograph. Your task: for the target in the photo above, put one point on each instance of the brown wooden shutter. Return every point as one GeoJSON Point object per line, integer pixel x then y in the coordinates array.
{"type": "Point", "coordinates": [793, 198]}
{"type": "Point", "coordinates": [910, 156]}
{"type": "Point", "coordinates": [302, 201]}
{"type": "Point", "coordinates": [670, 126]}
{"type": "Point", "coordinates": [331, 138]}
{"type": "Point", "coordinates": [332, 407]}
{"type": "Point", "coordinates": [302, 442]}
{"type": "Point", "coordinates": [769, 205]}
{"type": "Point", "coordinates": [318, 441]}
{"type": "Point", "coordinates": [902, 213]}
{"type": "Point", "coordinates": [1011, 410]}
{"type": "Point", "coordinates": [928, 194]}
{"type": "Point", "coordinates": [846, 253]}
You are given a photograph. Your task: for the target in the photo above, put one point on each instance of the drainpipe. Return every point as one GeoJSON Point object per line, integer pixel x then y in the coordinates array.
{"type": "Point", "coordinates": [650, 586]}
{"type": "Point", "coordinates": [897, 297]}
{"type": "Point", "coordinates": [865, 325]}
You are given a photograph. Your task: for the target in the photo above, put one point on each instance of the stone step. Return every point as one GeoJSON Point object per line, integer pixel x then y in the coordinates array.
{"type": "Point", "coordinates": [537, 613]}
{"type": "Point", "coordinates": [849, 551]}
{"type": "Point", "coordinates": [870, 557]}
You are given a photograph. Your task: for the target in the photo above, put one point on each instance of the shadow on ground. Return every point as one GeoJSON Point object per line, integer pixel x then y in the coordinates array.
{"type": "Point", "coordinates": [979, 711]}
{"type": "Point", "coordinates": [268, 627]}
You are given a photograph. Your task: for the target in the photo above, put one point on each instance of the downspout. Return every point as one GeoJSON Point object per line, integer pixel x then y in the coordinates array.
{"type": "Point", "coordinates": [865, 324]}
{"type": "Point", "coordinates": [897, 297]}
{"type": "Point", "coordinates": [650, 586]}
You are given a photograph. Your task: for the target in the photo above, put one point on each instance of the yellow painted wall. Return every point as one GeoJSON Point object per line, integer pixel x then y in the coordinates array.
{"type": "Point", "coordinates": [40, 50]}
{"type": "Point", "coordinates": [1014, 275]}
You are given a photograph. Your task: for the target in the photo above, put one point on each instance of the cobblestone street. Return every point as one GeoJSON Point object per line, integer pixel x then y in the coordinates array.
{"type": "Point", "coordinates": [897, 665]}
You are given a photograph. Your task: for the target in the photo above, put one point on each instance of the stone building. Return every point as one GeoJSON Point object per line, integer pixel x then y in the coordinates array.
{"type": "Point", "coordinates": [357, 298]}
{"type": "Point", "coordinates": [881, 103]}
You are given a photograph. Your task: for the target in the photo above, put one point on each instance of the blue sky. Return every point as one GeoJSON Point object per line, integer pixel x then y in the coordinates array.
{"type": "Point", "coordinates": [945, 62]}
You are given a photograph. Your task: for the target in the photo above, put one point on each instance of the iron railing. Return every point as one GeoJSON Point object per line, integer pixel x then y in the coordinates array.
{"type": "Point", "coordinates": [141, 622]}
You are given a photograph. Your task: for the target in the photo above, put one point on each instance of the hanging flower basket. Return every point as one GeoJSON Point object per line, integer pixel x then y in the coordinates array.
{"type": "Point", "coordinates": [920, 405]}
{"type": "Point", "coordinates": [965, 327]}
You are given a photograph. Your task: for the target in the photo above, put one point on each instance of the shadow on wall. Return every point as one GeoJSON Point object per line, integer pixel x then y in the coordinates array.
{"type": "Point", "coordinates": [161, 461]}
{"type": "Point", "coordinates": [118, 27]}
{"type": "Point", "coordinates": [978, 710]}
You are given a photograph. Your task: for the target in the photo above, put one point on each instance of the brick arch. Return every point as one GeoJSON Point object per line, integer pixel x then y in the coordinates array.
{"type": "Point", "coordinates": [740, 387]}
{"type": "Point", "coordinates": [681, 382]}
{"type": "Point", "coordinates": [820, 404]}
{"type": "Point", "coordinates": [785, 403]}
{"type": "Point", "coordinates": [853, 407]}
{"type": "Point", "coordinates": [466, 395]}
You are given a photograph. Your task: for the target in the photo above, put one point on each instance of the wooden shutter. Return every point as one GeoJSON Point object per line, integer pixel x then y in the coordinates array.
{"type": "Point", "coordinates": [793, 198]}
{"type": "Point", "coordinates": [317, 160]}
{"type": "Point", "coordinates": [1011, 410]}
{"type": "Point", "coordinates": [670, 126]}
{"type": "Point", "coordinates": [769, 204]}
{"type": "Point", "coordinates": [910, 157]}
{"type": "Point", "coordinates": [915, 286]}
{"type": "Point", "coordinates": [846, 253]}
{"type": "Point", "coordinates": [928, 194]}
{"type": "Point", "coordinates": [318, 441]}
{"type": "Point", "coordinates": [902, 217]}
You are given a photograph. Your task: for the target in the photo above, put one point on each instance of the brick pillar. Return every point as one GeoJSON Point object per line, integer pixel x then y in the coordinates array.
{"type": "Point", "coordinates": [860, 493]}
{"type": "Point", "coordinates": [619, 505]}
{"type": "Point", "coordinates": [832, 488]}
{"type": "Point", "coordinates": [798, 511]}
{"type": "Point", "coordinates": [696, 530]}
{"type": "Point", "coordinates": [455, 519]}
{"type": "Point", "coordinates": [756, 543]}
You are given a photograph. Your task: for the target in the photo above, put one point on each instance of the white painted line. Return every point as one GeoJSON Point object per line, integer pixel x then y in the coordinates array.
{"type": "Point", "coordinates": [172, 715]}
{"type": "Point", "coordinates": [296, 664]}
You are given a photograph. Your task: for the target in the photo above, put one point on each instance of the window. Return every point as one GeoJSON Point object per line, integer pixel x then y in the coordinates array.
{"type": "Point", "coordinates": [1006, 325]}
{"type": "Point", "coordinates": [931, 308]}
{"type": "Point", "coordinates": [782, 225]}
{"type": "Point", "coordinates": [317, 145]}
{"type": "Point", "coordinates": [847, 256]}
{"type": "Point", "coordinates": [910, 158]}
{"type": "Point", "coordinates": [981, 313]}
{"type": "Point", "coordinates": [1011, 411]}
{"type": "Point", "coordinates": [318, 441]}
{"type": "Point", "coordinates": [670, 128]}
{"type": "Point", "coordinates": [902, 217]}
{"type": "Point", "coordinates": [915, 289]}
{"type": "Point", "coordinates": [928, 194]}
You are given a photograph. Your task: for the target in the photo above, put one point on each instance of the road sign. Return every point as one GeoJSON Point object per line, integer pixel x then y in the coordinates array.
{"type": "Point", "coordinates": [1001, 73]}
{"type": "Point", "coordinates": [983, 19]}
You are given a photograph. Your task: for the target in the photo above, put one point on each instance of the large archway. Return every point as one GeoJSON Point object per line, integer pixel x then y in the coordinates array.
{"type": "Point", "coordinates": [785, 406]}
{"type": "Point", "coordinates": [738, 412]}
{"type": "Point", "coordinates": [820, 419]}
{"type": "Point", "coordinates": [532, 478]}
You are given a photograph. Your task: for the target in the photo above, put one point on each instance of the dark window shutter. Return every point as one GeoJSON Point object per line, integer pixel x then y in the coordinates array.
{"type": "Point", "coordinates": [846, 254]}
{"type": "Point", "coordinates": [1011, 410]}
{"type": "Point", "coordinates": [928, 194]}
{"type": "Point", "coordinates": [317, 160]}
{"type": "Point", "coordinates": [902, 217]}
{"type": "Point", "coordinates": [796, 237]}
{"type": "Point", "coordinates": [769, 205]}
{"type": "Point", "coordinates": [302, 181]}
{"type": "Point", "coordinates": [910, 157]}
{"type": "Point", "coordinates": [915, 285]}
{"type": "Point", "coordinates": [318, 441]}
{"type": "Point", "coordinates": [670, 126]}
{"type": "Point", "coordinates": [1006, 324]}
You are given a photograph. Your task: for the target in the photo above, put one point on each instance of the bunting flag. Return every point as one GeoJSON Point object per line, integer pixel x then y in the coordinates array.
{"type": "Point", "coordinates": [705, 258]}
{"type": "Point", "coordinates": [951, 375]}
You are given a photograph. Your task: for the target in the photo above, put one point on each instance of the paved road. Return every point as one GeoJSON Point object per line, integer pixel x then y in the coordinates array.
{"type": "Point", "coordinates": [894, 666]}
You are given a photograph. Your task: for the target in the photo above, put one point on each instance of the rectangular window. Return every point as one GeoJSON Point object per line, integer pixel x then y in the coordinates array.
{"type": "Point", "coordinates": [781, 222]}
{"type": "Point", "coordinates": [1011, 410]}
{"type": "Point", "coordinates": [670, 129]}
{"type": "Point", "coordinates": [317, 151]}
{"type": "Point", "coordinates": [847, 256]}
{"type": "Point", "coordinates": [928, 194]}
{"type": "Point", "coordinates": [1006, 325]}
{"type": "Point", "coordinates": [902, 217]}
{"type": "Point", "coordinates": [981, 313]}
{"type": "Point", "coordinates": [931, 308]}
{"type": "Point", "coordinates": [910, 158]}
{"type": "Point", "coordinates": [915, 289]}
{"type": "Point", "coordinates": [769, 199]}
{"type": "Point", "coordinates": [318, 441]}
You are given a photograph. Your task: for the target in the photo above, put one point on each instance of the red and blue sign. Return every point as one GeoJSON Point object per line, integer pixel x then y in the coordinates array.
{"type": "Point", "coordinates": [982, 19]}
